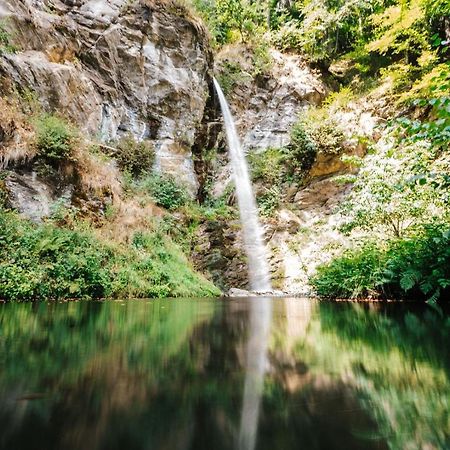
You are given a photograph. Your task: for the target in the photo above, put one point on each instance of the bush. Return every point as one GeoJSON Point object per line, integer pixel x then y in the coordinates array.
{"type": "Point", "coordinates": [267, 166]}
{"type": "Point", "coordinates": [43, 261]}
{"type": "Point", "coordinates": [396, 188]}
{"type": "Point", "coordinates": [261, 60]}
{"type": "Point", "coordinates": [417, 266]}
{"type": "Point", "coordinates": [135, 157]}
{"type": "Point", "coordinates": [6, 45]}
{"type": "Point", "coordinates": [324, 130]}
{"type": "Point", "coordinates": [230, 75]}
{"type": "Point", "coordinates": [165, 190]}
{"type": "Point", "coordinates": [269, 201]}
{"type": "Point", "coordinates": [358, 272]}
{"type": "Point", "coordinates": [302, 151]}
{"type": "Point", "coordinates": [55, 138]}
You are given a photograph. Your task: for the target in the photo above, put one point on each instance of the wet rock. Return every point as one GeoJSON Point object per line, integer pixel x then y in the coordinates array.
{"type": "Point", "coordinates": [238, 293]}
{"type": "Point", "coordinates": [234, 292]}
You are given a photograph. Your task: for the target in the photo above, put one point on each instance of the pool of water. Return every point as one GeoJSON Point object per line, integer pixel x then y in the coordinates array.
{"type": "Point", "coordinates": [275, 374]}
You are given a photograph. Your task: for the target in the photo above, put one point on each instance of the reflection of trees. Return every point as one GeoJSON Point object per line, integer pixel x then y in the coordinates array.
{"type": "Point", "coordinates": [101, 368]}
{"type": "Point", "coordinates": [169, 375]}
{"type": "Point", "coordinates": [312, 409]}
{"type": "Point", "coordinates": [395, 362]}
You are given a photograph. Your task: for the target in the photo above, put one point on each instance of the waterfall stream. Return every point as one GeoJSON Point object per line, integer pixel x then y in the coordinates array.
{"type": "Point", "coordinates": [253, 238]}
{"type": "Point", "coordinates": [261, 311]}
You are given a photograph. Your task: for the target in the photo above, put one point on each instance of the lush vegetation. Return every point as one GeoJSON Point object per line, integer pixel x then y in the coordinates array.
{"type": "Point", "coordinates": [412, 266]}
{"type": "Point", "coordinates": [398, 210]}
{"type": "Point", "coordinates": [165, 190]}
{"type": "Point", "coordinates": [55, 139]}
{"type": "Point", "coordinates": [132, 156]}
{"type": "Point", "coordinates": [45, 261]}
{"type": "Point", "coordinates": [399, 207]}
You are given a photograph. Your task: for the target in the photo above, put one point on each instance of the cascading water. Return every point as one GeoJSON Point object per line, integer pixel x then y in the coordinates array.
{"type": "Point", "coordinates": [253, 241]}
{"type": "Point", "coordinates": [261, 310]}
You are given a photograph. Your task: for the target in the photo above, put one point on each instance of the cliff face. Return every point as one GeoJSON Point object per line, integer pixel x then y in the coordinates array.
{"type": "Point", "coordinates": [115, 67]}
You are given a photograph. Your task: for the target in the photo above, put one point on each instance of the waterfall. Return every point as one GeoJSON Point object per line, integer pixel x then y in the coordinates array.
{"type": "Point", "coordinates": [253, 238]}
{"type": "Point", "coordinates": [261, 312]}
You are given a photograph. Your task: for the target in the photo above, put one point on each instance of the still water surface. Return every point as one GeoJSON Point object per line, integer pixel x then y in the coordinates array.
{"type": "Point", "coordinates": [173, 374]}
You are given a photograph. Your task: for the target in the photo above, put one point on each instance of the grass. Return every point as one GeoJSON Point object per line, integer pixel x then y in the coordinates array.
{"type": "Point", "coordinates": [44, 261]}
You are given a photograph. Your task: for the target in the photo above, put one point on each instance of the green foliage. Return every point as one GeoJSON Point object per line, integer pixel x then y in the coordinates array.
{"type": "Point", "coordinates": [269, 201]}
{"type": "Point", "coordinates": [414, 266]}
{"type": "Point", "coordinates": [135, 157]}
{"type": "Point", "coordinates": [232, 20]}
{"type": "Point", "coordinates": [6, 45]}
{"type": "Point", "coordinates": [267, 166]}
{"type": "Point", "coordinates": [435, 131]}
{"type": "Point", "coordinates": [41, 262]}
{"type": "Point", "coordinates": [55, 138]}
{"type": "Point", "coordinates": [369, 33]}
{"type": "Point", "coordinates": [261, 60]}
{"type": "Point", "coordinates": [433, 84]}
{"type": "Point", "coordinates": [302, 151]}
{"type": "Point", "coordinates": [396, 189]}
{"type": "Point", "coordinates": [230, 75]}
{"type": "Point", "coordinates": [399, 31]}
{"type": "Point", "coordinates": [165, 190]}
{"type": "Point", "coordinates": [356, 273]}
{"type": "Point", "coordinates": [315, 132]}
{"type": "Point", "coordinates": [325, 132]}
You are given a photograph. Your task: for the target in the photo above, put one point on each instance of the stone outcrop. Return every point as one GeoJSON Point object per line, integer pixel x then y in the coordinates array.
{"type": "Point", "coordinates": [115, 67]}
{"type": "Point", "coordinates": [268, 106]}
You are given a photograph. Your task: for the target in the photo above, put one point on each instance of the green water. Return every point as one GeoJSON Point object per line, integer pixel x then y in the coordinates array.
{"type": "Point", "coordinates": [170, 374]}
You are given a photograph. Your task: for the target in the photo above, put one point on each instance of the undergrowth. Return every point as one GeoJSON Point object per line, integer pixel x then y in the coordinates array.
{"type": "Point", "coordinates": [45, 262]}
{"type": "Point", "coordinates": [416, 266]}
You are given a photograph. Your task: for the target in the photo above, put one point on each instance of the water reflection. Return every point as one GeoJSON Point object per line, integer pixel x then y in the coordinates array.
{"type": "Point", "coordinates": [256, 366]}
{"type": "Point", "coordinates": [176, 375]}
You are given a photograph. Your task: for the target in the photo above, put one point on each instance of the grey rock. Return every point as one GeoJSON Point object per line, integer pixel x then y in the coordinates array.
{"type": "Point", "coordinates": [30, 195]}
{"type": "Point", "coordinates": [116, 67]}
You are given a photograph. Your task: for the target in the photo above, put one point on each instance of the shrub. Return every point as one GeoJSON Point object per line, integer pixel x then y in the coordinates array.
{"type": "Point", "coordinates": [55, 138]}
{"type": "Point", "coordinates": [302, 151]}
{"type": "Point", "coordinates": [358, 272]}
{"type": "Point", "coordinates": [435, 130]}
{"type": "Point", "coordinates": [324, 130]}
{"type": "Point", "coordinates": [269, 201]}
{"type": "Point", "coordinates": [261, 60]}
{"type": "Point", "coordinates": [396, 189]}
{"type": "Point", "coordinates": [165, 190]}
{"type": "Point", "coordinates": [267, 166]}
{"type": "Point", "coordinates": [135, 157]}
{"type": "Point", "coordinates": [230, 75]}
{"type": "Point", "coordinates": [288, 37]}
{"type": "Point", "coordinates": [44, 261]}
{"type": "Point", "coordinates": [416, 266]}
{"type": "Point", "coordinates": [6, 45]}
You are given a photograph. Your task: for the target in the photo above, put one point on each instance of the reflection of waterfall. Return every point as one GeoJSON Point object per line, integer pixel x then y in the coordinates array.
{"type": "Point", "coordinates": [260, 321]}
{"type": "Point", "coordinates": [253, 239]}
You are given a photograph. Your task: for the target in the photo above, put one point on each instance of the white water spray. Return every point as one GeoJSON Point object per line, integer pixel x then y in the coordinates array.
{"type": "Point", "coordinates": [261, 309]}
{"type": "Point", "coordinates": [253, 239]}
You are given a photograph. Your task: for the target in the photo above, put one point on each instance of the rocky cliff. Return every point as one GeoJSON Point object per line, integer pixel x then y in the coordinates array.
{"type": "Point", "coordinates": [115, 67]}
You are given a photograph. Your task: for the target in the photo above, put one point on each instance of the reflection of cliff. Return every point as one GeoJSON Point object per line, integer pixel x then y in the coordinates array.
{"type": "Point", "coordinates": [167, 375]}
